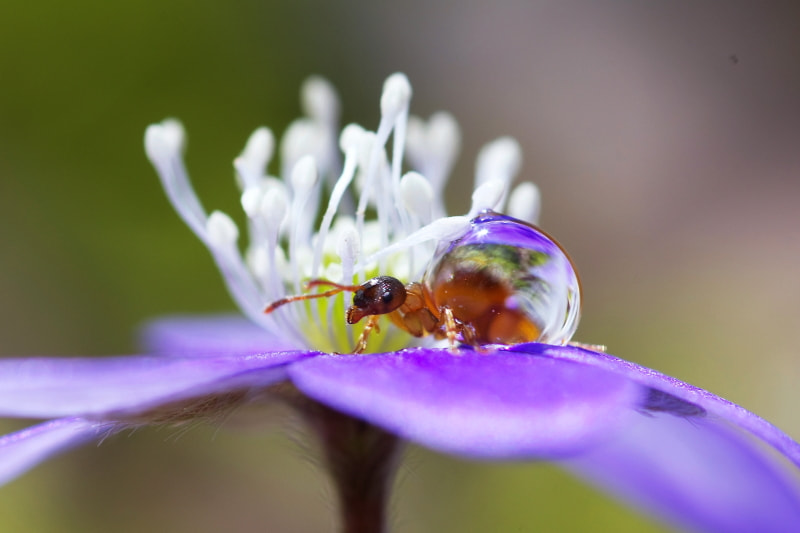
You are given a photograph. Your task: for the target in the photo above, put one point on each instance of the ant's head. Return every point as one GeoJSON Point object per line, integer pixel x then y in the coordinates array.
{"type": "Point", "coordinates": [377, 296]}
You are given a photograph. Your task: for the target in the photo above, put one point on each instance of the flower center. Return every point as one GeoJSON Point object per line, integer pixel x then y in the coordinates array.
{"type": "Point", "coordinates": [343, 213]}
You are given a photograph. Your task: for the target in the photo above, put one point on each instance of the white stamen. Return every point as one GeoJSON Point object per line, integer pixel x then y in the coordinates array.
{"type": "Point", "coordinates": [396, 95]}
{"type": "Point", "coordinates": [222, 237]}
{"type": "Point", "coordinates": [175, 134]}
{"type": "Point", "coordinates": [273, 208]}
{"type": "Point", "coordinates": [257, 260]}
{"type": "Point", "coordinates": [222, 231]}
{"type": "Point", "coordinates": [398, 147]}
{"type": "Point", "coordinates": [251, 200]}
{"type": "Point", "coordinates": [304, 175]}
{"type": "Point", "coordinates": [164, 140]}
{"type": "Point", "coordinates": [394, 111]}
{"type": "Point", "coordinates": [488, 196]}
{"type": "Point", "coordinates": [524, 202]}
{"type": "Point", "coordinates": [303, 179]}
{"type": "Point", "coordinates": [500, 159]}
{"type": "Point", "coordinates": [303, 137]}
{"type": "Point", "coordinates": [164, 144]}
{"type": "Point", "coordinates": [417, 195]}
{"type": "Point", "coordinates": [284, 248]}
{"type": "Point", "coordinates": [394, 115]}
{"type": "Point", "coordinates": [374, 166]}
{"type": "Point", "coordinates": [252, 163]}
{"type": "Point", "coordinates": [319, 99]}
{"type": "Point", "coordinates": [349, 141]}
{"type": "Point", "coordinates": [432, 147]}
{"type": "Point", "coordinates": [348, 249]}
{"type": "Point", "coordinates": [444, 137]}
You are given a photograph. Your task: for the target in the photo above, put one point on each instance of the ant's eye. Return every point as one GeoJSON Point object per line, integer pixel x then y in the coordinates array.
{"type": "Point", "coordinates": [378, 296]}
{"type": "Point", "coordinates": [360, 298]}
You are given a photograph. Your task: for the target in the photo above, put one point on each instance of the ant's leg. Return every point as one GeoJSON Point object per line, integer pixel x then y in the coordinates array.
{"type": "Point", "coordinates": [450, 327]}
{"type": "Point", "coordinates": [469, 335]}
{"type": "Point", "coordinates": [372, 322]}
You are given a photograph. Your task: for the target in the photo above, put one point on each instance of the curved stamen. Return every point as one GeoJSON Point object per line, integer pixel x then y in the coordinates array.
{"type": "Point", "coordinates": [284, 246]}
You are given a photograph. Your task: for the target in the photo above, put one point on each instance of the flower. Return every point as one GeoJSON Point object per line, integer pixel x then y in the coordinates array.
{"type": "Point", "coordinates": [676, 451]}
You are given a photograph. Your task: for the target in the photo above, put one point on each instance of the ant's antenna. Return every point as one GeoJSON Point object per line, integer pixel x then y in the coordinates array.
{"type": "Point", "coordinates": [337, 288]}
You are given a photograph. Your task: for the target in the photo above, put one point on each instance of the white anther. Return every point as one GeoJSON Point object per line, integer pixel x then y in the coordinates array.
{"type": "Point", "coordinates": [432, 148]}
{"type": "Point", "coordinates": [500, 159]}
{"type": "Point", "coordinates": [273, 207]}
{"type": "Point", "coordinates": [304, 175]}
{"type": "Point", "coordinates": [487, 196]}
{"type": "Point", "coordinates": [174, 133]}
{"type": "Point", "coordinates": [417, 195]}
{"type": "Point", "coordinates": [350, 139]}
{"type": "Point", "coordinates": [396, 95]}
{"type": "Point", "coordinates": [444, 135]}
{"type": "Point", "coordinates": [251, 200]}
{"type": "Point", "coordinates": [524, 202]}
{"type": "Point", "coordinates": [302, 137]}
{"type": "Point", "coordinates": [319, 99]}
{"type": "Point", "coordinates": [222, 231]}
{"type": "Point", "coordinates": [252, 162]}
{"type": "Point", "coordinates": [165, 140]}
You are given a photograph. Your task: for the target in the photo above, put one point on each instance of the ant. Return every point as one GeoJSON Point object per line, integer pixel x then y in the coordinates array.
{"type": "Point", "coordinates": [410, 307]}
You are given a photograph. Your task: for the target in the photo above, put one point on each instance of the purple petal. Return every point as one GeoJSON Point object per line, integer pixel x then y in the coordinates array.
{"type": "Point", "coordinates": [193, 336]}
{"type": "Point", "coordinates": [695, 473]}
{"type": "Point", "coordinates": [487, 405]}
{"type": "Point", "coordinates": [712, 404]}
{"type": "Point", "coordinates": [24, 449]}
{"type": "Point", "coordinates": [54, 387]}
{"type": "Point", "coordinates": [692, 458]}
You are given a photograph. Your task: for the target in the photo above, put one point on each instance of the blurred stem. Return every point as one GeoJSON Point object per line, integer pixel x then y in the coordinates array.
{"type": "Point", "coordinates": [361, 460]}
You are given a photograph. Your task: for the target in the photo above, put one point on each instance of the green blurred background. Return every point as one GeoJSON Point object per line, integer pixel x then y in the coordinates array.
{"type": "Point", "coordinates": [664, 138]}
